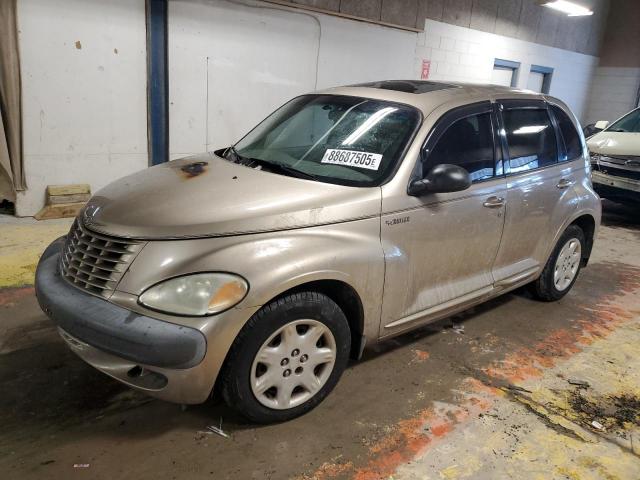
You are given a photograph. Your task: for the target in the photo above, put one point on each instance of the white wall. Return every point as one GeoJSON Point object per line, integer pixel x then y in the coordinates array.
{"type": "Point", "coordinates": [260, 56]}
{"type": "Point", "coordinates": [614, 93]}
{"type": "Point", "coordinates": [84, 105]}
{"type": "Point", "coordinates": [465, 55]}
{"type": "Point", "coordinates": [230, 64]}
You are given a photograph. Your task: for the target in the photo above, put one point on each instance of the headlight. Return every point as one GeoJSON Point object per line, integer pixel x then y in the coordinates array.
{"type": "Point", "coordinates": [197, 294]}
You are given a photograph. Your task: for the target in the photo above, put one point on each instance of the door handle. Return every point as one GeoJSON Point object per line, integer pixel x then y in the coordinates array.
{"type": "Point", "coordinates": [494, 202]}
{"type": "Point", "coordinates": [564, 183]}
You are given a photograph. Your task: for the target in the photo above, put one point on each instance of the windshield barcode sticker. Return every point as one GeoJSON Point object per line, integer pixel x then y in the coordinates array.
{"type": "Point", "coordinates": [351, 158]}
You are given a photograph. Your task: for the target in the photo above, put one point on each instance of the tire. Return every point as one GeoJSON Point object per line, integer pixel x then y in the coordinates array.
{"type": "Point", "coordinates": [547, 287]}
{"type": "Point", "coordinates": [288, 358]}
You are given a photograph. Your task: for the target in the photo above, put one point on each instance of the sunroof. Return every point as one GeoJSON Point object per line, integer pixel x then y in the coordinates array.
{"type": "Point", "coordinates": [408, 86]}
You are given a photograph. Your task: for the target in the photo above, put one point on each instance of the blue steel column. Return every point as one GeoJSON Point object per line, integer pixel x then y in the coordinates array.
{"type": "Point", "coordinates": [157, 81]}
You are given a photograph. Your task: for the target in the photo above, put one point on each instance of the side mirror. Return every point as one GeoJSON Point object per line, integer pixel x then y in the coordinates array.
{"type": "Point", "coordinates": [601, 125]}
{"type": "Point", "coordinates": [443, 178]}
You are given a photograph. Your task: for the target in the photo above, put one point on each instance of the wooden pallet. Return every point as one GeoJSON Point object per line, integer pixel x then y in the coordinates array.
{"type": "Point", "coordinates": [64, 201]}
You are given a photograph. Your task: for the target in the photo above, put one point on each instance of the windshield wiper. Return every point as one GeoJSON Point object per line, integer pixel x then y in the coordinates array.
{"type": "Point", "coordinates": [295, 172]}
{"type": "Point", "coordinates": [281, 168]}
{"type": "Point", "coordinates": [272, 166]}
{"type": "Point", "coordinates": [618, 130]}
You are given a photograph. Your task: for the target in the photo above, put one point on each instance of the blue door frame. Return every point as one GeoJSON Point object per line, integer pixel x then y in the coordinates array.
{"type": "Point", "coordinates": [157, 81]}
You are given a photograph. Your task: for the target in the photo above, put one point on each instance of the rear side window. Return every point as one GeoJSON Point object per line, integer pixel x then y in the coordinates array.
{"type": "Point", "coordinates": [530, 138]}
{"type": "Point", "coordinates": [467, 143]}
{"type": "Point", "coordinates": [570, 135]}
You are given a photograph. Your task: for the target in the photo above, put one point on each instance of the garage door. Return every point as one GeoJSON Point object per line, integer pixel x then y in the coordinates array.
{"type": "Point", "coordinates": [230, 65]}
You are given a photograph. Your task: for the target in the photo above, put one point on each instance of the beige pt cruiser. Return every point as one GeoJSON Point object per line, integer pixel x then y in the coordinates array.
{"type": "Point", "coordinates": [346, 217]}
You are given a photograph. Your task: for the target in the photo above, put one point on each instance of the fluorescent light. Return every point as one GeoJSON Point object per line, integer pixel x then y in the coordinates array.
{"type": "Point", "coordinates": [528, 129]}
{"type": "Point", "coordinates": [570, 8]}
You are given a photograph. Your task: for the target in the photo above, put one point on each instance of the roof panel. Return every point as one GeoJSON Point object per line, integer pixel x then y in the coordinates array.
{"type": "Point", "coordinates": [408, 86]}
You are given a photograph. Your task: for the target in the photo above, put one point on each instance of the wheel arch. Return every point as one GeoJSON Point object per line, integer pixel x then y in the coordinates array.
{"type": "Point", "coordinates": [349, 301]}
{"type": "Point", "coordinates": [587, 224]}
{"type": "Point", "coordinates": [343, 294]}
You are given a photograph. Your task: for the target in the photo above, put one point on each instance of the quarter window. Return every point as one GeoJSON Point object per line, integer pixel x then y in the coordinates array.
{"type": "Point", "coordinates": [468, 143]}
{"type": "Point", "coordinates": [531, 139]}
{"type": "Point", "coordinates": [570, 135]}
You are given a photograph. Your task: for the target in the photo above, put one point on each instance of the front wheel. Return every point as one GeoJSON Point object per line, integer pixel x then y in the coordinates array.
{"type": "Point", "coordinates": [563, 266]}
{"type": "Point", "coordinates": [287, 358]}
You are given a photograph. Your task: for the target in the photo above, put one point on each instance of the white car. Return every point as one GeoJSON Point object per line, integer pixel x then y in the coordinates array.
{"type": "Point", "coordinates": [615, 158]}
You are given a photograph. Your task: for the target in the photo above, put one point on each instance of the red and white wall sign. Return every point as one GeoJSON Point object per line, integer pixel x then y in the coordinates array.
{"type": "Point", "coordinates": [426, 66]}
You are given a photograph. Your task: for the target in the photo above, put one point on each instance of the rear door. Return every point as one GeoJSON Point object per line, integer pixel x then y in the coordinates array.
{"type": "Point", "coordinates": [539, 188]}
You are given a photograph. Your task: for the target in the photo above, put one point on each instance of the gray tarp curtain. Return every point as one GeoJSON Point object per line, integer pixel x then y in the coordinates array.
{"type": "Point", "coordinates": [11, 166]}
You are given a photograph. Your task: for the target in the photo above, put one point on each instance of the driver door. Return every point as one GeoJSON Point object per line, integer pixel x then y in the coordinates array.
{"type": "Point", "coordinates": [440, 250]}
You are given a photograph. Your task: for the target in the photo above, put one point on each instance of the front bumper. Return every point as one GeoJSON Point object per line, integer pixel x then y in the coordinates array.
{"type": "Point", "coordinates": [616, 188]}
{"type": "Point", "coordinates": [164, 359]}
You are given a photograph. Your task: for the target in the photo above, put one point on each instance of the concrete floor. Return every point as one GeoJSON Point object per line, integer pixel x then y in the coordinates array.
{"type": "Point", "coordinates": [513, 396]}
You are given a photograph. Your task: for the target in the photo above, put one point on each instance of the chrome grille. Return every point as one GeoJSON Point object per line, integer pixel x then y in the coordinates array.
{"type": "Point", "coordinates": [95, 262]}
{"type": "Point", "coordinates": [618, 166]}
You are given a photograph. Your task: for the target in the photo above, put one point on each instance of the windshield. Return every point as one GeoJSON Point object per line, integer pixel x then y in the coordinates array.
{"type": "Point", "coordinates": [336, 139]}
{"type": "Point", "coordinates": [630, 123]}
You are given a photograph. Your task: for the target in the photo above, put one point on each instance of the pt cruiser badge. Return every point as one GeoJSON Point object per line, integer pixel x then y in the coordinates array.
{"type": "Point", "coordinates": [396, 221]}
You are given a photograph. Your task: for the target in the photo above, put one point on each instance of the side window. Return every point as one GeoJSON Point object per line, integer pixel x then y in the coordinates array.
{"type": "Point", "coordinates": [530, 138]}
{"type": "Point", "coordinates": [570, 136]}
{"type": "Point", "coordinates": [468, 143]}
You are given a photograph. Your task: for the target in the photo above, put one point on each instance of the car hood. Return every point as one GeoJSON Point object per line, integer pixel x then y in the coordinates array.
{"type": "Point", "coordinates": [205, 195]}
{"type": "Point", "coordinates": [615, 143]}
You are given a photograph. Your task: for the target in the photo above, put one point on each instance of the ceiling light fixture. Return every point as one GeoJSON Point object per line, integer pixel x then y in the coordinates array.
{"type": "Point", "coordinates": [570, 8]}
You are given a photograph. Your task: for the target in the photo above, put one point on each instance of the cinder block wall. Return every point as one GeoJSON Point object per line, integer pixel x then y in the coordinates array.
{"type": "Point", "coordinates": [521, 19]}
{"type": "Point", "coordinates": [614, 91]}
{"type": "Point", "coordinates": [467, 55]}
{"type": "Point", "coordinates": [616, 85]}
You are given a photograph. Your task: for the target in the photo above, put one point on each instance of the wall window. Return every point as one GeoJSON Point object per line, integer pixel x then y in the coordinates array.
{"type": "Point", "coordinates": [505, 72]}
{"type": "Point", "coordinates": [540, 79]}
{"type": "Point", "coordinates": [530, 138]}
{"type": "Point", "coordinates": [569, 135]}
{"type": "Point", "coordinates": [468, 143]}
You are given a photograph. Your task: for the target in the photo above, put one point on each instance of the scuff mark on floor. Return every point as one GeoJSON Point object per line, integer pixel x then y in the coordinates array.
{"type": "Point", "coordinates": [11, 295]}
{"type": "Point", "coordinates": [414, 436]}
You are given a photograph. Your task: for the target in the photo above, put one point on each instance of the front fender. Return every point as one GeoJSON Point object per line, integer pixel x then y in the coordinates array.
{"type": "Point", "coordinates": [275, 262]}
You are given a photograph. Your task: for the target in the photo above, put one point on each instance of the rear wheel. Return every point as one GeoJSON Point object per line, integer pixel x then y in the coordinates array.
{"type": "Point", "coordinates": [563, 266]}
{"type": "Point", "coordinates": [287, 358]}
